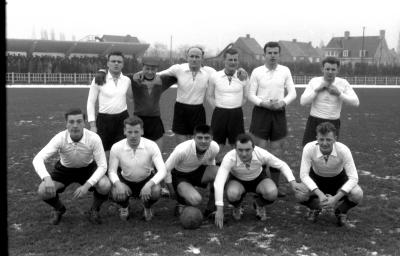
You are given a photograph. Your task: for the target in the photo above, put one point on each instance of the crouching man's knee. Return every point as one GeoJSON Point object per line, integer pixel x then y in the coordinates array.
{"type": "Point", "coordinates": [103, 186]}
{"type": "Point", "coordinates": [356, 194]}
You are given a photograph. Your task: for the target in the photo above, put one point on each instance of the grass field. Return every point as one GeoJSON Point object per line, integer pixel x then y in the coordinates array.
{"type": "Point", "coordinates": [371, 131]}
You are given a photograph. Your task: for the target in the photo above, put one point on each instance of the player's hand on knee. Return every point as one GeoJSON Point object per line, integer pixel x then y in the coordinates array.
{"type": "Point", "coordinates": [120, 192]}
{"type": "Point", "coordinates": [100, 77]}
{"type": "Point", "coordinates": [145, 193]}
{"type": "Point", "coordinates": [49, 186]}
{"type": "Point", "coordinates": [219, 217]}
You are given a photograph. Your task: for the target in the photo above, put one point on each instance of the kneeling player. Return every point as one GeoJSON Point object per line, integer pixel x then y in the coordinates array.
{"type": "Point", "coordinates": [82, 160]}
{"type": "Point", "coordinates": [242, 169]}
{"type": "Point", "coordinates": [328, 171]}
{"type": "Point", "coordinates": [192, 163]}
{"type": "Point", "coordinates": [137, 159]}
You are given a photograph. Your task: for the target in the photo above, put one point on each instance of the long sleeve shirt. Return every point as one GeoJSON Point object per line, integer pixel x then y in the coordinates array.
{"type": "Point", "coordinates": [147, 94]}
{"type": "Point", "coordinates": [111, 95]}
{"type": "Point", "coordinates": [226, 91]}
{"type": "Point", "coordinates": [325, 105]}
{"type": "Point", "coordinates": [231, 164]}
{"type": "Point", "coordinates": [73, 154]}
{"type": "Point", "coordinates": [339, 159]}
{"type": "Point", "coordinates": [136, 164]}
{"type": "Point", "coordinates": [270, 84]}
{"type": "Point", "coordinates": [184, 158]}
{"type": "Point", "coordinates": [191, 86]}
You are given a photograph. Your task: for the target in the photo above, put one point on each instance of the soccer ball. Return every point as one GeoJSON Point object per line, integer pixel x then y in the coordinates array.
{"type": "Point", "coordinates": [302, 193]}
{"type": "Point", "coordinates": [191, 217]}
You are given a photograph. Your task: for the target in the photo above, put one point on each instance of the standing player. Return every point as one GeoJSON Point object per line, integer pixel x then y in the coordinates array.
{"type": "Point", "coordinates": [192, 84]}
{"type": "Point", "coordinates": [192, 163]}
{"type": "Point", "coordinates": [267, 93]}
{"type": "Point", "coordinates": [82, 160]}
{"type": "Point", "coordinates": [112, 103]}
{"type": "Point", "coordinates": [328, 170]}
{"type": "Point", "coordinates": [227, 93]}
{"type": "Point", "coordinates": [137, 158]}
{"type": "Point", "coordinates": [242, 169]}
{"type": "Point", "coordinates": [326, 95]}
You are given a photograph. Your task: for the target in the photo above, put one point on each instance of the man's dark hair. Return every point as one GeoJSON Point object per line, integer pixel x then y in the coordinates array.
{"type": "Point", "coordinates": [271, 45]}
{"type": "Point", "coordinates": [116, 53]}
{"type": "Point", "coordinates": [244, 138]}
{"type": "Point", "coordinates": [133, 120]}
{"type": "Point", "coordinates": [194, 47]}
{"type": "Point", "coordinates": [331, 60]}
{"type": "Point", "coordinates": [74, 111]}
{"type": "Point", "coordinates": [231, 51]}
{"type": "Point", "coordinates": [325, 128]}
{"type": "Point", "coordinates": [202, 128]}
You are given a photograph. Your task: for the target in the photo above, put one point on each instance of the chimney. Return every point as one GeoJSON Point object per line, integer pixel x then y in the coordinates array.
{"type": "Point", "coordinates": [382, 34]}
{"type": "Point", "coordinates": [346, 34]}
{"type": "Point", "coordinates": [294, 40]}
{"type": "Point", "coordinates": [247, 35]}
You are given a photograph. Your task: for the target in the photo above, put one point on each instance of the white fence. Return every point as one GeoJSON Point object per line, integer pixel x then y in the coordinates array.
{"type": "Point", "coordinates": [86, 78]}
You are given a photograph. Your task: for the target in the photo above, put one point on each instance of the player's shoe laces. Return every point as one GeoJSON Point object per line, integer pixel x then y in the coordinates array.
{"type": "Point", "coordinates": [178, 209]}
{"type": "Point", "coordinates": [147, 214]}
{"type": "Point", "coordinates": [341, 219]}
{"type": "Point", "coordinates": [261, 213]}
{"type": "Point", "coordinates": [94, 216]}
{"type": "Point", "coordinates": [237, 212]}
{"type": "Point", "coordinates": [124, 213]}
{"type": "Point", "coordinates": [313, 215]}
{"type": "Point", "coordinates": [57, 215]}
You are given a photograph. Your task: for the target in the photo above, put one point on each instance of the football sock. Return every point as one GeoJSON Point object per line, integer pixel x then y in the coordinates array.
{"type": "Point", "coordinates": [211, 198]}
{"type": "Point", "coordinates": [261, 201]}
{"type": "Point", "coordinates": [238, 202]}
{"type": "Point", "coordinates": [98, 200]}
{"type": "Point", "coordinates": [312, 203]}
{"type": "Point", "coordinates": [55, 203]}
{"type": "Point", "coordinates": [150, 202]}
{"type": "Point", "coordinates": [346, 205]}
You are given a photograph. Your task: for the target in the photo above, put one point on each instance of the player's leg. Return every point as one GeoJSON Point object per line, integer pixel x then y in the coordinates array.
{"type": "Point", "coordinates": [277, 150]}
{"type": "Point", "coordinates": [267, 193]}
{"type": "Point", "coordinates": [354, 197]}
{"type": "Point", "coordinates": [235, 193]}
{"type": "Point", "coordinates": [100, 194]}
{"type": "Point", "coordinates": [207, 179]}
{"type": "Point", "coordinates": [219, 124]}
{"type": "Point", "coordinates": [187, 194]}
{"type": "Point", "coordinates": [54, 201]}
{"type": "Point", "coordinates": [121, 196]}
{"type": "Point", "coordinates": [155, 196]}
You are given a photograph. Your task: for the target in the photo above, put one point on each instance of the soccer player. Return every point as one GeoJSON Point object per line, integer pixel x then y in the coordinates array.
{"type": "Point", "coordinates": [141, 168]}
{"type": "Point", "coordinates": [326, 95]}
{"type": "Point", "coordinates": [82, 160]}
{"type": "Point", "coordinates": [227, 93]}
{"type": "Point", "coordinates": [267, 93]}
{"type": "Point", "coordinates": [112, 103]}
{"type": "Point", "coordinates": [192, 84]}
{"type": "Point", "coordinates": [192, 163]}
{"type": "Point", "coordinates": [328, 171]}
{"type": "Point", "coordinates": [242, 170]}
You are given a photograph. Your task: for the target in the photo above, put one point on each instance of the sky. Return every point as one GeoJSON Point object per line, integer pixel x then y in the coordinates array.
{"type": "Point", "coordinates": [210, 23]}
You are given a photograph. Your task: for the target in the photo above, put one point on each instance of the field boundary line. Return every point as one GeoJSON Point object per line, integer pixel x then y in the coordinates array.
{"type": "Point", "coordinates": [174, 86]}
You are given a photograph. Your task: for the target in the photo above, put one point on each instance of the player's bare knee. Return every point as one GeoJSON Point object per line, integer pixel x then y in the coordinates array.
{"type": "Point", "coordinates": [156, 192]}
{"type": "Point", "coordinates": [103, 186]}
{"type": "Point", "coordinates": [270, 194]}
{"type": "Point", "coordinates": [233, 195]}
{"type": "Point", "coordinates": [194, 199]}
{"type": "Point", "coordinates": [356, 194]}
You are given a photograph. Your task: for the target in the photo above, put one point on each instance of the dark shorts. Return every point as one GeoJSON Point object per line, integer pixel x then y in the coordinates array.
{"type": "Point", "coordinates": [268, 124]}
{"type": "Point", "coordinates": [227, 124]}
{"type": "Point", "coordinates": [67, 175]}
{"type": "Point", "coordinates": [329, 185]}
{"type": "Point", "coordinates": [110, 128]}
{"type": "Point", "coordinates": [310, 133]}
{"type": "Point", "coordinates": [153, 127]}
{"type": "Point", "coordinates": [194, 178]}
{"type": "Point", "coordinates": [186, 117]}
{"type": "Point", "coordinates": [135, 187]}
{"type": "Point", "coordinates": [251, 185]}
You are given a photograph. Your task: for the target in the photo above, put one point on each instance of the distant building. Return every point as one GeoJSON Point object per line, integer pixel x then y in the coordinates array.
{"type": "Point", "coordinates": [294, 51]}
{"type": "Point", "coordinates": [119, 39]}
{"type": "Point", "coordinates": [357, 49]}
{"type": "Point", "coordinates": [250, 50]}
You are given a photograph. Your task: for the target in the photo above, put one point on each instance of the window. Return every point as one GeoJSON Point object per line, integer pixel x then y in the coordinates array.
{"type": "Point", "coordinates": [345, 53]}
{"type": "Point", "coordinates": [363, 53]}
